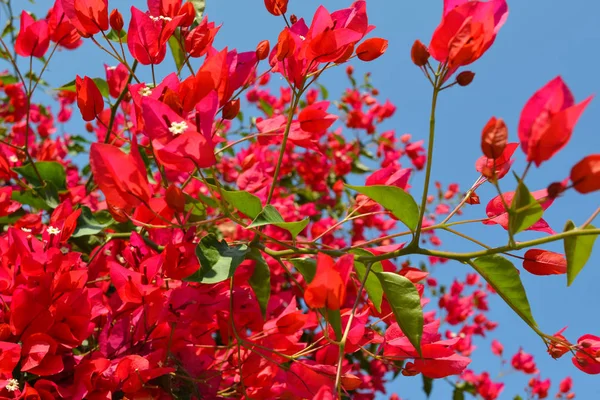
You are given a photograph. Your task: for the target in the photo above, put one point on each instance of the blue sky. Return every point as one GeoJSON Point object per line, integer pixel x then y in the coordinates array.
{"type": "Point", "coordinates": [541, 39]}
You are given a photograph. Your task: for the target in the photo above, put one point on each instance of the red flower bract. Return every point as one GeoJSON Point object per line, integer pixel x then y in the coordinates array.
{"type": "Point", "coordinates": [547, 121]}
{"type": "Point", "coordinates": [33, 39]}
{"type": "Point", "coordinates": [89, 98]}
{"type": "Point", "coordinates": [544, 262]}
{"type": "Point", "coordinates": [585, 175]}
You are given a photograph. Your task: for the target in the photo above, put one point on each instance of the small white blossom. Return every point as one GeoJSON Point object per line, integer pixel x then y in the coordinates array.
{"type": "Point", "coordinates": [64, 250]}
{"type": "Point", "coordinates": [26, 229]}
{"type": "Point", "coordinates": [178, 128]}
{"type": "Point", "coordinates": [52, 230]}
{"type": "Point", "coordinates": [121, 259]}
{"type": "Point", "coordinates": [12, 385]}
{"type": "Point", "coordinates": [302, 37]}
{"type": "Point", "coordinates": [107, 252]}
{"type": "Point", "coordinates": [153, 18]}
{"type": "Point", "coordinates": [13, 159]}
{"type": "Point", "coordinates": [146, 91]}
{"type": "Point", "coordinates": [111, 68]}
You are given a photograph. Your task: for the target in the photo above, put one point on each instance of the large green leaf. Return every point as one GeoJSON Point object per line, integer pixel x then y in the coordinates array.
{"type": "Point", "coordinates": [372, 285]}
{"type": "Point", "coordinates": [30, 198]}
{"type": "Point", "coordinates": [218, 261]}
{"type": "Point", "coordinates": [247, 203]}
{"type": "Point", "coordinates": [50, 171]}
{"type": "Point", "coordinates": [260, 281]}
{"type": "Point", "coordinates": [270, 216]}
{"type": "Point", "coordinates": [306, 266]}
{"type": "Point", "coordinates": [395, 200]}
{"type": "Point", "coordinates": [502, 275]}
{"type": "Point", "coordinates": [531, 210]}
{"type": "Point", "coordinates": [91, 224]}
{"type": "Point", "coordinates": [199, 6]}
{"type": "Point", "coordinates": [405, 301]}
{"type": "Point", "coordinates": [578, 250]}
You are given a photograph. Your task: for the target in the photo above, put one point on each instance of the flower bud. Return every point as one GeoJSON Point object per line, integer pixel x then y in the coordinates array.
{"type": "Point", "coordinates": [371, 49]}
{"type": "Point", "coordinates": [349, 69]}
{"type": "Point", "coordinates": [117, 213]}
{"type": "Point", "coordinates": [419, 54]}
{"type": "Point", "coordinates": [262, 50]}
{"type": "Point", "coordinates": [473, 199]}
{"type": "Point", "coordinates": [189, 14]}
{"type": "Point", "coordinates": [175, 198]}
{"type": "Point", "coordinates": [465, 78]}
{"type": "Point", "coordinates": [231, 109]}
{"type": "Point", "coordinates": [116, 20]}
{"type": "Point", "coordinates": [293, 19]}
{"type": "Point", "coordinates": [555, 189]}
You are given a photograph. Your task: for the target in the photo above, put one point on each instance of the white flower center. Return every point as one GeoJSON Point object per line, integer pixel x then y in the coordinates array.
{"type": "Point", "coordinates": [160, 18]}
{"type": "Point", "coordinates": [13, 159]}
{"type": "Point", "coordinates": [12, 385]}
{"type": "Point", "coordinates": [26, 230]}
{"type": "Point", "coordinates": [111, 68]}
{"type": "Point", "coordinates": [177, 128]}
{"type": "Point", "coordinates": [52, 230]}
{"type": "Point", "coordinates": [145, 91]}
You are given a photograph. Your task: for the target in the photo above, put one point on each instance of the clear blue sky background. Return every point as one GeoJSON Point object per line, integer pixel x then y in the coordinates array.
{"type": "Point", "coordinates": [541, 39]}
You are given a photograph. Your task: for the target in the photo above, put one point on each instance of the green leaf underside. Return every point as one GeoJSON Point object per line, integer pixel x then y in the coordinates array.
{"type": "Point", "coordinates": [531, 212]}
{"type": "Point", "coordinates": [218, 261]}
{"type": "Point", "coordinates": [578, 250]}
{"type": "Point", "coordinates": [395, 200]}
{"type": "Point", "coordinates": [306, 266]}
{"type": "Point", "coordinates": [90, 224]}
{"type": "Point", "coordinates": [405, 301]}
{"type": "Point", "coordinates": [260, 281]}
{"type": "Point", "coordinates": [502, 275]}
{"type": "Point", "coordinates": [270, 216]}
{"type": "Point", "coordinates": [372, 285]}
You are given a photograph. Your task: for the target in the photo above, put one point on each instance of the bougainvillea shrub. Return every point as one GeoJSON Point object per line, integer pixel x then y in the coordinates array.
{"type": "Point", "coordinates": [207, 233]}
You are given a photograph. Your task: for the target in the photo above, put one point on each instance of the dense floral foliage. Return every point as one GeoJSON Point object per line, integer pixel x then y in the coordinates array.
{"type": "Point", "coordinates": [199, 254]}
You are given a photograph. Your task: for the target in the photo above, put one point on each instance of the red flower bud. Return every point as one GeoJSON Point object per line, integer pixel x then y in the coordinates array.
{"type": "Point", "coordinates": [116, 20]}
{"type": "Point", "coordinates": [473, 199]}
{"type": "Point", "coordinates": [89, 127]}
{"type": "Point", "coordinates": [89, 98]}
{"type": "Point", "coordinates": [189, 14]}
{"type": "Point", "coordinates": [585, 175]}
{"type": "Point", "coordinates": [419, 54]}
{"type": "Point", "coordinates": [349, 69]}
{"type": "Point", "coordinates": [175, 198]}
{"type": "Point", "coordinates": [276, 7]}
{"type": "Point", "coordinates": [494, 138]}
{"type": "Point", "coordinates": [231, 109]}
{"type": "Point", "coordinates": [371, 49]}
{"type": "Point", "coordinates": [465, 78]}
{"type": "Point", "coordinates": [117, 213]}
{"type": "Point", "coordinates": [293, 19]}
{"type": "Point", "coordinates": [555, 189]}
{"type": "Point", "coordinates": [262, 50]}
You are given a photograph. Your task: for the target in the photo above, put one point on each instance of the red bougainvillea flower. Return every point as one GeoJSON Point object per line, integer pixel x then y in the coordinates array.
{"type": "Point", "coordinates": [544, 262]}
{"type": "Point", "coordinates": [587, 357]}
{"type": "Point", "coordinates": [10, 354]}
{"type": "Point", "coordinates": [371, 49]}
{"type": "Point", "coordinates": [116, 77]}
{"type": "Point", "coordinates": [328, 288]}
{"type": "Point", "coordinates": [89, 98]}
{"type": "Point", "coordinates": [134, 371]}
{"type": "Point", "coordinates": [61, 29]}
{"type": "Point", "coordinates": [121, 177]}
{"type": "Point", "coordinates": [33, 39]}
{"type": "Point", "coordinates": [200, 39]}
{"type": "Point", "coordinates": [87, 16]}
{"type": "Point", "coordinates": [557, 349]}
{"type": "Point", "coordinates": [498, 215]}
{"type": "Point", "coordinates": [467, 30]}
{"type": "Point", "coordinates": [548, 119]}
{"type": "Point", "coordinates": [166, 8]}
{"type": "Point", "coordinates": [276, 7]}
{"type": "Point", "coordinates": [147, 36]}
{"type": "Point", "coordinates": [497, 348]}
{"type": "Point", "coordinates": [39, 355]}
{"type": "Point", "coordinates": [315, 119]}
{"type": "Point", "coordinates": [585, 175]}
{"type": "Point", "coordinates": [494, 138]}
{"type": "Point", "coordinates": [439, 358]}
{"type": "Point", "coordinates": [524, 362]}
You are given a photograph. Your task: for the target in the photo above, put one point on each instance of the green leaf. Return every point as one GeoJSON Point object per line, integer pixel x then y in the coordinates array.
{"type": "Point", "coordinates": [372, 285]}
{"type": "Point", "coordinates": [266, 107]}
{"type": "Point", "coordinates": [50, 171]}
{"type": "Point", "coordinates": [199, 6]}
{"type": "Point", "coordinates": [195, 208]}
{"type": "Point", "coordinates": [306, 266]}
{"type": "Point", "coordinates": [335, 320]}
{"type": "Point", "coordinates": [50, 194]}
{"type": "Point", "coordinates": [270, 216]}
{"type": "Point", "coordinates": [458, 394]}
{"type": "Point", "coordinates": [427, 385]}
{"type": "Point", "coordinates": [178, 54]}
{"type": "Point", "coordinates": [218, 261]}
{"type": "Point", "coordinates": [247, 203]}
{"type": "Point", "coordinates": [30, 198]}
{"type": "Point", "coordinates": [115, 36]}
{"type": "Point", "coordinates": [531, 210]}
{"type": "Point", "coordinates": [90, 224]}
{"type": "Point", "coordinates": [324, 92]}
{"type": "Point", "coordinates": [502, 275]}
{"type": "Point", "coordinates": [260, 281]}
{"type": "Point", "coordinates": [406, 305]}
{"type": "Point", "coordinates": [578, 250]}
{"type": "Point", "coordinates": [395, 200]}
{"type": "Point", "coordinates": [100, 83]}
